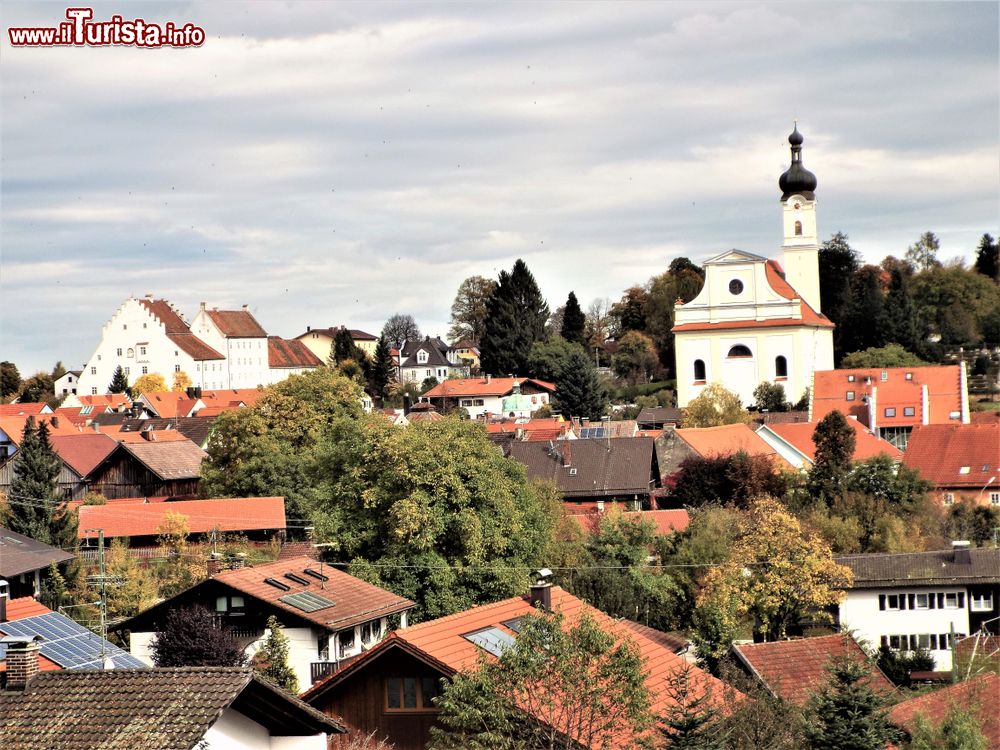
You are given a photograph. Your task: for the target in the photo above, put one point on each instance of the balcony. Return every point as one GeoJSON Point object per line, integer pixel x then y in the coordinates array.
{"type": "Point", "coordinates": [320, 669]}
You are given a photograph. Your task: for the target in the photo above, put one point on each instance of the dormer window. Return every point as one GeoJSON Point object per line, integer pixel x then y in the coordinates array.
{"type": "Point", "coordinates": [421, 357]}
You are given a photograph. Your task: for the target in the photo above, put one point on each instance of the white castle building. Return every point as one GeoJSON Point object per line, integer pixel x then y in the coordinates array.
{"type": "Point", "coordinates": [752, 321]}
{"type": "Point", "coordinates": [222, 349]}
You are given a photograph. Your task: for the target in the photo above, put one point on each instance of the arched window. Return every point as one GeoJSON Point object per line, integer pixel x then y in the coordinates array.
{"type": "Point", "coordinates": [739, 351]}
{"type": "Point", "coordinates": [780, 367]}
{"type": "Point", "coordinates": [798, 228]}
{"type": "Point", "coordinates": [699, 369]}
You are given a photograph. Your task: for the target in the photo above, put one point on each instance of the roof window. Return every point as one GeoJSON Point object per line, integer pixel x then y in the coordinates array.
{"type": "Point", "coordinates": [277, 584]}
{"type": "Point", "coordinates": [316, 574]}
{"type": "Point", "coordinates": [964, 469]}
{"type": "Point", "coordinates": [297, 578]}
{"type": "Point", "coordinates": [850, 378]}
{"type": "Point", "coordinates": [909, 376]}
{"type": "Point", "coordinates": [885, 376]}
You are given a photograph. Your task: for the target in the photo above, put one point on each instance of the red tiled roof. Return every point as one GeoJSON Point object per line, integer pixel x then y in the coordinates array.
{"type": "Point", "coordinates": [19, 609]}
{"type": "Point", "coordinates": [424, 416]}
{"type": "Point", "coordinates": [665, 521]}
{"type": "Point", "coordinates": [203, 516]}
{"type": "Point", "coordinates": [442, 643]}
{"type": "Point", "coordinates": [794, 669]}
{"type": "Point", "coordinates": [465, 387]}
{"type": "Point", "coordinates": [531, 427]}
{"type": "Point", "coordinates": [980, 693]}
{"type": "Point", "coordinates": [76, 415]}
{"type": "Point", "coordinates": [956, 455]}
{"type": "Point", "coordinates": [290, 353]}
{"type": "Point", "coordinates": [777, 282]}
{"type": "Point", "coordinates": [197, 349]}
{"type": "Point", "coordinates": [944, 393]}
{"type": "Point", "coordinates": [19, 410]}
{"type": "Point", "coordinates": [150, 436]}
{"type": "Point", "coordinates": [14, 426]}
{"type": "Point", "coordinates": [230, 396]}
{"type": "Point", "coordinates": [236, 324]}
{"type": "Point", "coordinates": [984, 417]}
{"type": "Point", "coordinates": [114, 401]}
{"type": "Point", "coordinates": [728, 439]}
{"type": "Point", "coordinates": [170, 403]}
{"type": "Point", "coordinates": [83, 452]}
{"type": "Point", "coordinates": [164, 311]}
{"type": "Point", "coordinates": [355, 601]}
{"type": "Point", "coordinates": [866, 444]}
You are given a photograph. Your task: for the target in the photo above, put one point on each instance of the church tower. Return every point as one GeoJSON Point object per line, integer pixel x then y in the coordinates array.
{"type": "Point", "coordinates": [801, 242]}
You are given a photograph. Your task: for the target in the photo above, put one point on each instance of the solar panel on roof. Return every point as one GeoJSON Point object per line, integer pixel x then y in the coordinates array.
{"type": "Point", "coordinates": [307, 601]}
{"type": "Point", "coordinates": [492, 640]}
{"type": "Point", "coordinates": [68, 643]}
{"type": "Point", "coordinates": [514, 625]}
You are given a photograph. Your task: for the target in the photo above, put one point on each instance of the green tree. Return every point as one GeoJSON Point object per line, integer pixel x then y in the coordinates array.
{"type": "Point", "coordinates": [119, 381]}
{"type": "Point", "coordinates": [58, 370]}
{"type": "Point", "coordinates": [967, 519]}
{"type": "Point", "coordinates": [582, 687]}
{"type": "Point", "coordinates": [579, 390]}
{"type": "Point", "coordinates": [32, 498]}
{"type": "Point", "coordinates": [835, 440]}
{"type": "Point", "coordinates": [838, 262]}
{"type": "Point", "coordinates": [864, 324]}
{"type": "Point", "coordinates": [137, 589]}
{"type": "Point", "coordinates": [382, 370]}
{"type": "Point", "coordinates": [628, 314]}
{"type": "Point", "coordinates": [902, 317]}
{"type": "Point", "coordinates": [770, 397]}
{"type": "Point", "coordinates": [38, 388]}
{"type": "Point", "coordinates": [734, 479]}
{"type": "Point", "coordinates": [956, 302]}
{"type": "Point", "coordinates": [922, 254]}
{"type": "Point", "coordinates": [890, 355]}
{"type": "Point", "coordinates": [846, 713]}
{"type": "Point", "coordinates": [271, 662]}
{"type": "Point", "coordinates": [469, 310]}
{"type": "Point", "coordinates": [573, 322]}
{"type": "Point", "coordinates": [636, 357]}
{"type": "Point", "coordinates": [960, 729]}
{"type": "Point", "coordinates": [516, 317]}
{"type": "Point", "coordinates": [689, 722]}
{"type": "Point", "coordinates": [715, 406]}
{"type": "Point", "coordinates": [434, 512]}
{"type": "Point", "coordinates": [988, 258]}
{"type": "Point", "coordinates": [10, 379]}
{"type": "Point", "coordinates": [399, 328]}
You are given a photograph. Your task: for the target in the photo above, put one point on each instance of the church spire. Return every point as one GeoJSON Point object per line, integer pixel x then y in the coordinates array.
{"type": "Point", "coordinates": [797, 180]}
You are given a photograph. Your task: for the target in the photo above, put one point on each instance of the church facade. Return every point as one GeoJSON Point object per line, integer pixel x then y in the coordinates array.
{"type": "Point", "coordinates": [756, 320]}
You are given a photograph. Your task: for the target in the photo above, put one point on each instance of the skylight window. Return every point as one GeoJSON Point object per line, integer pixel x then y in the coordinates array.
{"type": "Point", "coordinates": [492, 640]}
{"type": "Point", "coordinates": [297, 578]}
{"type": "Point", "coordinates": [316, 574]}
{"type": "Point", "coordinates": [277, 584]}
{"type": "Point", "coordinates": [964, 469]}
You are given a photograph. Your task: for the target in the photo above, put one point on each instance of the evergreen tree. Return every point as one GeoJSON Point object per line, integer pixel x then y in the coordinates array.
{"type": "Point", "coordinates": [902, 318]}
{"type": "Point", "coordinates": [271, 662]}
{"type": "Point", "coordinates": [864, 324]}
{"type": "Point", "coordinates": [382, 369]}
{"type": "Point", "coordinates": [190, 638]}
{"type": "Point", "coordinates": [54, 590]}
{"type": "Point", "coordinates": [516, 319]}
{"type": "Point", "coordinates": [835, 440]}
{"type": "Point", "coordinates": [838, 262]}
{"type": "Point", "coordinates": [689, 723]}
{"type": "Point", "coordinates": [33, 487]}
{"type": "Point", "coordinates": [988, 258]}
{"type": "Point", "coordinates": [847, 714]}
{"type": "Point", "coordinates": [343, 348]}
{"type": "Point", "coordinates": [10, 379]}
{"type": "Point", "coordinates": [119, 381]}
{"type": "Point", "coordinates": [573, 322]}
{"type": "Point", "coordinates": [579, 390]}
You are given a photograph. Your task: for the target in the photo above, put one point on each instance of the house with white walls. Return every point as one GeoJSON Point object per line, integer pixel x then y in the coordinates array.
{"type": "Point", "coordinates": [238, 336]}
{"type": "Point", "coordinates": [328, 615]}
{"type": "Point", "coordinates": [755, 321]}
{"type": "Point", "coordinates": [922, 600]}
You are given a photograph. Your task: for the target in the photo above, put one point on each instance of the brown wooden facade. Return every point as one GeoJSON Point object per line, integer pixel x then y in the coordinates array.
{"type": "Point", "coordinates": [361, 700]}
{"type": "Point", "coordinates": [123, 475]}
{"type": "Point", "coordinates": [71, 485]}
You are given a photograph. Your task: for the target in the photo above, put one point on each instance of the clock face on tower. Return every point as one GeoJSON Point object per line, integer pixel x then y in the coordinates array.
{"type": "Point", "coordinates": [798, 206]}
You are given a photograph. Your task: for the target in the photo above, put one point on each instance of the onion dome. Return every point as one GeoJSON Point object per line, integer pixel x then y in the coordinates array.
{"type": "Point", "coordinates": [797, 180]}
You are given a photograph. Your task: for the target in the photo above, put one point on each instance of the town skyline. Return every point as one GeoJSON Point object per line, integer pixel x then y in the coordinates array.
{"type": "Point", "coordinates": [337, 164]}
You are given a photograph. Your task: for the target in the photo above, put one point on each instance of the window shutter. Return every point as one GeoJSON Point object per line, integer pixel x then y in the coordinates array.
{"type": "Point", "coordinates": [881, 601]}
{"type": "Point", "coordinates": [910, 598]}
{"type": "Point", "coordinates": [961, 599]}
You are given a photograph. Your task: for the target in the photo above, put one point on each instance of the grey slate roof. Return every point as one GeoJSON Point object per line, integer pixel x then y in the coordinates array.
{"type": "Point", "coordinates": [149, 709]}
{"type": "Point", "coordinates": [602, 467]}
{"type": "Point", "coordinates": [22, 554]}
{"type": "Point", "coordinates": [657, 416]}
{"type": "Point", "coordinates": [433, 347]}
{"type": "Point", "coordinates": [923, 568]}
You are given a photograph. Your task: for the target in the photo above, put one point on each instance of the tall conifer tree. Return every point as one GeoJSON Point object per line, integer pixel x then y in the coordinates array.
{"type": "Point", "coordinates": [119, 381]}
{"type": "Point", "coordinates": [516, 320]}
{"type": "Point", "coordinates": [382, 369]}
{"type": "Point", "coordinates": [573, 322]}
{"type": "Point", "coordinates": [33, 487]}
{"type": "Point", "coordinates": [902, 318]}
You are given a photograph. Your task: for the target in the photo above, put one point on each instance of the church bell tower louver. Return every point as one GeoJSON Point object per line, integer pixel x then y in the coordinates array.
{"type": "Point", "coordinates": [801, 240]}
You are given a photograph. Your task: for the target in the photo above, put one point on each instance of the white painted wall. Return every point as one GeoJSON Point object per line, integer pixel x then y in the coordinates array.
{"type": "Point", "coordinates": [235, 731]}
{"type": "Point", "coordinates": [860, 613]}
{"type": "Point", "coordinates": [140, 645]}
{"type": "Point", "coordinates": [247, 358]}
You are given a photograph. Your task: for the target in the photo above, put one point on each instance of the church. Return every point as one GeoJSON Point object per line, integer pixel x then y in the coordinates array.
{"type": "Point", "coordinates": [755, 321]}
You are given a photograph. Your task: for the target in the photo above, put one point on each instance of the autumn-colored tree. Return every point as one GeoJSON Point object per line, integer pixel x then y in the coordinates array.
{"type": "Point", "coordinates": [960, 729]}
{"type": "Point", "coordinates": [468, 311]}
{"type": "Point", "coordinates": [775, 574]}
{"type": "Point", "coordinates": [715, 406]}
{"type": "Point", "coordinates": [559, 687]}
{"type": "Point", "coordinates": [635, 358]}
{"type": "Point", "coordinates": [181, 382]}
{"type": "Point", "coordinates": [770, 397]}
{"type": "Point", "coordinates": [133, 586]}
{"type": "Point", "coordinates": [178, 570]}
{"type": "Point", "coordinates": [151, 382]}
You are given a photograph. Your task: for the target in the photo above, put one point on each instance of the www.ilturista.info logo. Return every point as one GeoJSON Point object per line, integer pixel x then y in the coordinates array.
{"type": "Point", "coordinates": [81, 31]}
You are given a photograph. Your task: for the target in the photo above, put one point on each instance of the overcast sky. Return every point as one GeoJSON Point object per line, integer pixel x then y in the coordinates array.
{"type": "Point", "coordinates": [332, 163]}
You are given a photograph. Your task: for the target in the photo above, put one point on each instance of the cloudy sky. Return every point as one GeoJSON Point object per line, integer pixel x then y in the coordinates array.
{"type": "Point", "coordinates": [332, 163]}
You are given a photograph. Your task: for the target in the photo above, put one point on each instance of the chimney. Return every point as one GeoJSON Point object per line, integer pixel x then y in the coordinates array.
{"type": "Point", "coordinates": [22, 660]}
{"type": "Point", "coordinates": [308, 329]}
{"type": "Point", "coordinates": [585, 422]}
{"type": "Point", "coordinates": [54, 421]}
{"type": "Point", "coordinates": [961, 553]}
{"type": "Point", "coordinates": [407, 404]}
{"type": "Point", "coordinates": [189, 391]}
{"type": "Point", "coordinates": [567, 453]}
{"type": "Point", "coordinates": [3, 601]}
{"type": "Point", "coordinates": [148, 435]}
{"type": "Point", "coordinates": [246, 307]}
{"type": "Point", "coordinates": [202, 305]}
{"type": "Point", "coordinates": [488, 376]}
{"type": "Point", "coordinates": [541, 590]}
